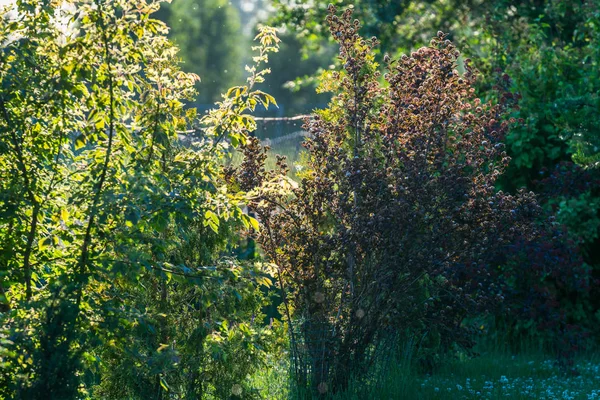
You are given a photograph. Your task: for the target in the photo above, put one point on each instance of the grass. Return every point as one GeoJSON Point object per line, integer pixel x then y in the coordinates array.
{"type": "Point", "coordinates": [493, 375]}
{"type": "Point", "coordinates": [499, 376]}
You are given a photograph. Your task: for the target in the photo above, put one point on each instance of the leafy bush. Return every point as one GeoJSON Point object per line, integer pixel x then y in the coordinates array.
{"type": "Point", "coordinates": [396, 223]}
{"type": "Point", "coordinates": [546, 53]}
{"type": "Point", "coordinates": [111, 227]}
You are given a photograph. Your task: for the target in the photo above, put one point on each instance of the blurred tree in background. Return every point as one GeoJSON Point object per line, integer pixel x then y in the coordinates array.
{"type": "Point", "coordinates": [209, 36]}
{"type": "Point", "coordinates": [292, 80]}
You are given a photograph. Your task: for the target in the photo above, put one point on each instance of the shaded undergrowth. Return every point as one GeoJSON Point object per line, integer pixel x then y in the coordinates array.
{"type": "Point", "coordinates": [496, 373]}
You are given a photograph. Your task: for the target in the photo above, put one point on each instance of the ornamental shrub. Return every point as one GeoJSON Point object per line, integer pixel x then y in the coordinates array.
{"type": "Point", "coordinates": [396, 224]}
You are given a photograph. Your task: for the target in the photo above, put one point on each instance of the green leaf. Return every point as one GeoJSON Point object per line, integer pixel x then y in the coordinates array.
{"type": "Point", "coordinates": [254, 223]}
{"type": "Point", "coordinates": [163, 384]}
{"type": "Point", "coordinates": [100, 124]}
{"type": "Point", "coordinates": [211, 220]}
{"type": "Point", "coordinates": [44, 243]}
{"type": "Point", "coordinates": [234, 140]}
{"type": "Point", "coordinates": [264, 281]}
{"type": "Point", "coordinates": [162, 347]}
{"type": "Point", "coordinates": [64, 214]}
{"type": "Point", "coordinates": [80, 141]}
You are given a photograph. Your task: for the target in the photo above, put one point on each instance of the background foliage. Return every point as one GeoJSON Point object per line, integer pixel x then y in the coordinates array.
{"type": "Point", "coordinates": [207, 34]}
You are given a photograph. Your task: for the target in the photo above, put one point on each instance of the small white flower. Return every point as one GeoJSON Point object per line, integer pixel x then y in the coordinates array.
{"type": "Point", "coordinates": [236, 390]}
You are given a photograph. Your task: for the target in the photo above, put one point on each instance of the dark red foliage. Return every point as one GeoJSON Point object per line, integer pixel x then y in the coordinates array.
{"type": "Point", "coordinates": [566, 179]}
{"type": "Point", "coordinates": [396, 223]}
{"type": "Point", "coordinates": [542, 282]}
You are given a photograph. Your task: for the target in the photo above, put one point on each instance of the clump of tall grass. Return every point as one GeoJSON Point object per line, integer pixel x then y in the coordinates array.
{"type": "Point", "coordinates": [496, 373]}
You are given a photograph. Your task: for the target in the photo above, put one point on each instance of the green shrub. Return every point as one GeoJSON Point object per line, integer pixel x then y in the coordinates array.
{"type": "Point", "coordinates": [111, 228]}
